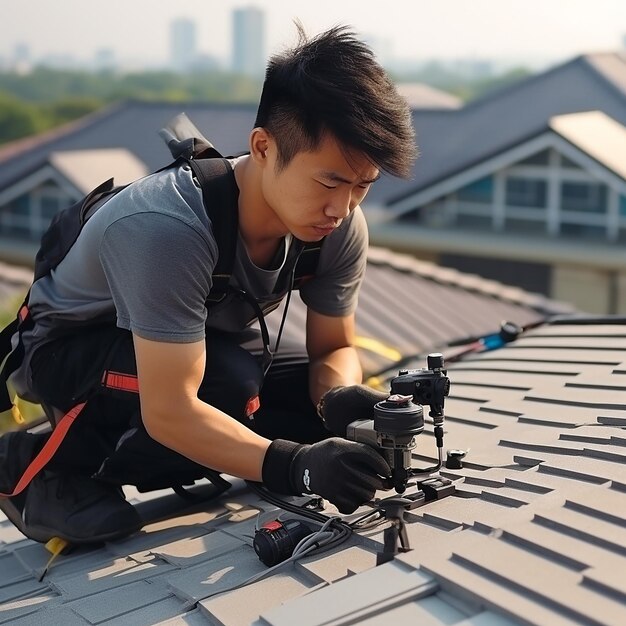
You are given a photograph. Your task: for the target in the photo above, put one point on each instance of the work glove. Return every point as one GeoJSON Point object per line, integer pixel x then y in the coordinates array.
{"type": "Point", "coordinates": [341, 406]}
{"type": "Point", "coordinates": [344, 472]}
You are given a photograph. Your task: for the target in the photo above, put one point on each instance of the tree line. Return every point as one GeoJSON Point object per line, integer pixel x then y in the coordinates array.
{"type": "Point", "coordinates": [44, 98]}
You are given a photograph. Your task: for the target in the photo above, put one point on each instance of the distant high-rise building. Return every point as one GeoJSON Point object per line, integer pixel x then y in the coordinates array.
{"type": "Point", "coordinates": [182, 43]}
{"type": "Point", "coordinates": [249, 41]}
{"type": "Point", "coordinates": [22, 53]}
{"type": "Point", "coordinates": [104, 59]}
{"type": "Point", "coordinates": [21, 58]}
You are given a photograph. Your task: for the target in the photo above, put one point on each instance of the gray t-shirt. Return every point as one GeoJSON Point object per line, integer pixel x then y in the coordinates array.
{"type": "Point", "coordinates": [145, 261]}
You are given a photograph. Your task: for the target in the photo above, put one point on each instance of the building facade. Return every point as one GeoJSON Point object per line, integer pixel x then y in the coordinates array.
{"type": "Point", "coordinates": [249, 41]}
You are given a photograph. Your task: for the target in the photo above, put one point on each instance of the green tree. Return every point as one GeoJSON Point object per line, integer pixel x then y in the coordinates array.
{"type": "Point", "coordinates": [19, 119]}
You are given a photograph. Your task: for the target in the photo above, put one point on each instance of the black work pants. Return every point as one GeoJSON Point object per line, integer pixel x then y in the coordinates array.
{"type": "Point", "coordinates": [109, 441]}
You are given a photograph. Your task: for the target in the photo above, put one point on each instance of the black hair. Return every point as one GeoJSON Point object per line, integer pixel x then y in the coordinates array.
{"type": "Point", "coordinates": [333, 83]}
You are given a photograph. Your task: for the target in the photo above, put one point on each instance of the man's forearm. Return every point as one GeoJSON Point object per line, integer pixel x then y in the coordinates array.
{"type": "Point", "coordinates": [211, 438]}
{"type": "Point", "coordinates": [339, 367]}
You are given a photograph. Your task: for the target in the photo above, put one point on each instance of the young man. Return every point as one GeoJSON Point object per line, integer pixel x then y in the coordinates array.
{"type": "Point", "coordinates": [130, 298]}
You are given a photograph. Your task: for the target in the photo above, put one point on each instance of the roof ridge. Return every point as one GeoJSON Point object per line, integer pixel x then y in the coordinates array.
{"type": "Point", "coordinates": [590, 65]}
{"type": "Point", "coordinates": [519, 84]}
{"type": "Point", "coordinates": [185, 103]}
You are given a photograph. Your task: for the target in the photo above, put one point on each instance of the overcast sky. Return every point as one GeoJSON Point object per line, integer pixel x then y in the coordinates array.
{"type": "Point", "coordinates": [418, 29]}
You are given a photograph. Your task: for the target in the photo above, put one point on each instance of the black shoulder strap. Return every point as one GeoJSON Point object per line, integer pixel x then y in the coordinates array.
{"type": "Point", "coordinates": [307, 263]}
{"type": "Point", "coordinates": [220, 194]}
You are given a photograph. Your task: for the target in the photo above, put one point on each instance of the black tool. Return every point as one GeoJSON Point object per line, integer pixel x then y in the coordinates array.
{"type": "Point", "coordinates": [400, 418]}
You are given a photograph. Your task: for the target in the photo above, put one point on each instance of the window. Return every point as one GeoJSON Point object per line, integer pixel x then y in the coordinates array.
{"type": "Point", "coordinates": [480, 191]}
{"type": "Point", "coordinates": [526, 192]}
{"type": "Point", "coordinates": [524, 227]}
{"type": "Point", "coordinates": [410, 216]}
{"type": "Point", "coordinates": [19, 206]}
{"type": "Point", "coordinates": [50, 205]}
{"type": "Point", "coordinates": [475, 222]}
{"type": "Point", "coordinates": [584, 197]}
{"type": "Point", "coordinates": [583, 231]}
{"type": "Point", "coordinates": [622, 206]}
{"type": "Point", "coordinates": [540, 158]}
{"type": "Point", "coordinates": [15, 217]}
{"type": "Point", "coordinates": [569, 164]}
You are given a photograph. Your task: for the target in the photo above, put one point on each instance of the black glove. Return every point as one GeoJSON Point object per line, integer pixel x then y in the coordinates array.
{"type": "Point", "coordinates": [344, 472]}
{"type": "Point", "coordinates": [340, 406]}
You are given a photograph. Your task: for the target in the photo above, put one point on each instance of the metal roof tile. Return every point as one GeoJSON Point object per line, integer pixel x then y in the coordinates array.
{"type": "Point", "coordinates": [22, 588]}
{"type": "Point", "coordinates": [207, 579]}
{"type": "Point", "coordinates": [11, 611]}
{"type": "Point", "coordinates": [244, 606]}
{"type": "Point", "coordinates": [608, 583]}
{"type": "Point", "coordinates": [194, 550]}
{"type": "Point", "coordinates": [117, 573]}
{"type": "Point", "coordinates": [354, 597]}
{"type": "Point", "coordinates": [118, 602]}
{"type": "Point", "coordinates": [574, 552]}
{"type": "Point", "coordinates": [457, 579]}
{"type": "Point", "coordinates": [60, 614]}
{"type": "Point", "coordinates": [338, 564]}
{"type": "Point", "coordinates": [549, 582]}
{"type": "Point", "coordinates": [429, 611]}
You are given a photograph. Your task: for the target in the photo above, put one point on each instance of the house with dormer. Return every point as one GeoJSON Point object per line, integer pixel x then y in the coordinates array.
{"type": "Point", "coordinates": [526, 186]}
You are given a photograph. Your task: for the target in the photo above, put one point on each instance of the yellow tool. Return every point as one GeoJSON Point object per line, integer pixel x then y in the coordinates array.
{"type": "Point", "coordinates": [55, 546]}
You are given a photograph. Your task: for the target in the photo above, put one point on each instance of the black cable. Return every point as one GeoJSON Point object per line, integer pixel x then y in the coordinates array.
{"type": "Point", "coordinates": [343, 529]}
{"type": "Point", "coordinates": [284, 319]}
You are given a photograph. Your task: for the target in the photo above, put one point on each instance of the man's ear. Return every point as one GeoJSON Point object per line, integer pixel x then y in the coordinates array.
{"type": "Point", "coordinates": [261, 144]}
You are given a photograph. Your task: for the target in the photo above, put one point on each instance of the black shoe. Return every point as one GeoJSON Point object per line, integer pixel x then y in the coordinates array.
{"type": "Point", "coordinates": [78, 509]}
{"type": "Point", "coordinates": [17, 450]}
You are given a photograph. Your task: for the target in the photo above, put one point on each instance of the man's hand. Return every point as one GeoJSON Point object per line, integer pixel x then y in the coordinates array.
{"type": "Point", "coordinates": [344, 472]}
{"type": "Point", "coordinates": [340, 406]}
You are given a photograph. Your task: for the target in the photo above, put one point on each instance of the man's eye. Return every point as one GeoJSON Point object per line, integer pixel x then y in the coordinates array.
{"type": "Point", "coordinates": [327, 186]}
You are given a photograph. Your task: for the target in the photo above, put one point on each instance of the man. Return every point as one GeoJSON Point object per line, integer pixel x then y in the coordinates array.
{"type": "Point", "coordinates": [130, 299]}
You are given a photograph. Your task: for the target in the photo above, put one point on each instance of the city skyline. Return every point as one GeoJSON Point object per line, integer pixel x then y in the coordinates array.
{"type": "Point", "coordinates": [532, 31]}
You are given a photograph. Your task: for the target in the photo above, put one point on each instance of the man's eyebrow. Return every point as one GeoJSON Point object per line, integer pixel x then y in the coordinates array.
{"type": "Point", "coordinates": [340, 179]}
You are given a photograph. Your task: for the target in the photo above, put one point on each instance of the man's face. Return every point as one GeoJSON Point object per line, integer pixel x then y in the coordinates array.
{"type": "Point", "coordinates": [316, 190]}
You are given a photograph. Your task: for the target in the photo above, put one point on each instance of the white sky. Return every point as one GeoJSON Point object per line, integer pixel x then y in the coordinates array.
{"type": "Point", "coordinates": [418, 29]}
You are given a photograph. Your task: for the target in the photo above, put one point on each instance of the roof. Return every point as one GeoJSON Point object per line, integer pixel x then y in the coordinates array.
{"type": "Point", "coordinates": [86, 169]}
{"type": "Point", "coordinates": [133, 126]}
{"type": "Point", "coordinates": [596, 134]}
{"type": "Point", "coordinates": [406, 307]}
{"type": "Point", "coordinates": [422, 96]}
{"type": "Point", "coordinates": [452, 141]}
{"type": "Point", "coordinates": [534, 534]}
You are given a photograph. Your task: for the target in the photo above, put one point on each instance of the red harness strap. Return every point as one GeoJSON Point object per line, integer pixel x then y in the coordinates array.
{"type": "Point", "coordinates": [111, 380]}
{"type": "Point", "coordinates": [47, 452]}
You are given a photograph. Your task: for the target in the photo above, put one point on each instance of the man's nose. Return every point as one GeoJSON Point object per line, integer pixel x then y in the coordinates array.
{"type": "Point", "coordinates": [340, 205]}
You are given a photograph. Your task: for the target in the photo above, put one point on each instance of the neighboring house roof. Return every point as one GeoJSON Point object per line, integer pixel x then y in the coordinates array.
{"type": "Point", "coordinates": [597, 135]}
{"type": "Point", "coordinates": [534, 535]}
{"type": "Point", "coordinates": [422, 96]}
{"type": "Point", "coordinates": [406, 307]}
{"type": "Point", "coordinates": [77, 172]}
{"type": "Point", "coordinates": [451, 141]}
{"type": "Point", "coordinates": [133, 126]}
{"type": "Point", "coordinates": [86, 169]}
{"type": "Point", "coordinates": [591, 138]}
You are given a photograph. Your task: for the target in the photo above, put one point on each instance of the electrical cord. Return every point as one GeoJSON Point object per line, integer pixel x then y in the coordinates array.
{"type": "Point", "coordinates": [337, 524]}
{"type": "Point", "coordinates": [332, 533]}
